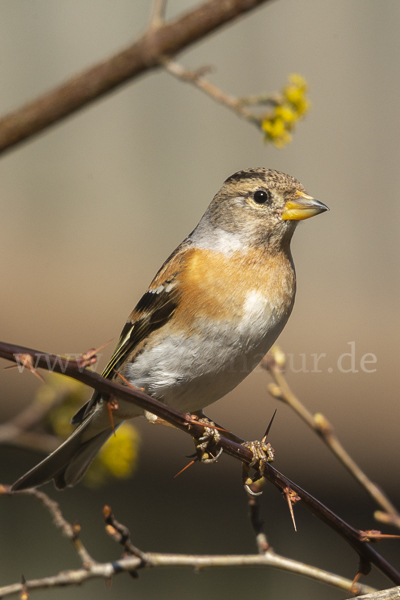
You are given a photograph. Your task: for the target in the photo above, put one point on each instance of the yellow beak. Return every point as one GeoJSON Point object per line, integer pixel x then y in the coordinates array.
{"type": "Point", "coordinates": [303, 207]}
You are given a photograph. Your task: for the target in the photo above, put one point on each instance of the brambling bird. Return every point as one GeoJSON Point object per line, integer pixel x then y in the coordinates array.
{"type": "Point", "coordinates": [209, 316]}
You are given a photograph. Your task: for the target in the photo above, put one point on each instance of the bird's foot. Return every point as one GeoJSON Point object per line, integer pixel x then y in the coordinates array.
{"type": "Point", "coordinates": [208, 449]}
{"type": "Point", "coordinates": [263, 453]}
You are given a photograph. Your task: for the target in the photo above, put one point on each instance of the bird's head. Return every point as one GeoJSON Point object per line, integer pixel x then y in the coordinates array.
{"type": "Point", "coordinates": [258, 207]}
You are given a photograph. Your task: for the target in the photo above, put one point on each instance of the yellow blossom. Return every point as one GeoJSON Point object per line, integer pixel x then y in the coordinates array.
{"type": "Point", "coordinates": [290, 106]}
{"type": "Point", "coordinates": [274, 127]}
{"type": "Point", "coordinates": [293, 94]}
{"type": "Point", "coordinates": [66, 395]}
{"type": "Point", "coordinates": [117, 458]}
{"type": "Point", "coordinates": [286, 113]}
{"type": "Point", "coordinates": [298, 81]}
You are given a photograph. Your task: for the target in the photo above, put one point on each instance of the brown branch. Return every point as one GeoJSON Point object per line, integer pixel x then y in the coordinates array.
{"type": "Point", "coordinates": [158, 42]}
{"type": "Point", "coordinates": [76, 370]}
{"type": "Point", "coordinates": [274, 363]}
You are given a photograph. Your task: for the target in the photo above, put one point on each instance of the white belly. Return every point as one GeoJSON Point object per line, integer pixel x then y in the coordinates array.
{"type": "Point", "coordinates": [190, 372]}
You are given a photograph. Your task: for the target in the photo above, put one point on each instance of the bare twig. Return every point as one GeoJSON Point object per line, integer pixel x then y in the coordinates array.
{"type": "Point", "coordinates": [133, 563]}
{"type": "Point", "coordinates": [69, 531]}
{"type": "Point", "coordinates": [256, 520]}
{"type": "Point", "coordinates": [164, 40]}
{"type": "Point", "coordinates": [196, 78]}
{"type": "Point", "coordinates": [387, 518]}
{"type": "Point", "coordinates": [92, 569]}
{"type": "Point", "coordinates": [74, 369]}
{"type": "Point", "coordinates": [158, 15]}
{"type": "Point", "coordinates": [120, 533]}
{"type": "Point", "coordinates": [391, 594]}
{"type": "Point", "coordinates": [274, 364]}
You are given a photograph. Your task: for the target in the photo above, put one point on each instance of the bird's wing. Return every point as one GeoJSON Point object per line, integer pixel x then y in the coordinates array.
{"type": "Point", "coordinates": [152, 311]}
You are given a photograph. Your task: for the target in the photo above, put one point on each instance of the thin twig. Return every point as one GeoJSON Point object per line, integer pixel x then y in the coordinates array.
{"type": "Point", "coordinates": [387, 518]}
{"type": "Point", "coordinates": [120, 533]}
{"type": "Point", "coordinates": [133, 563]}
{"type": "Point", "coordinates": [391, 594]}
{"type": "Point", "coordinates": [69, 531]}
{"type": "Point", "coordinates": [157, 18]}
{"type": "Point", "coordinates": [256, 520]}
{"type": "Point", "coordinates": [94, 570]}
{"type": "Point", "coordinates": [320, 424]}
{"type": "Point", "coordinates": [195, 78]}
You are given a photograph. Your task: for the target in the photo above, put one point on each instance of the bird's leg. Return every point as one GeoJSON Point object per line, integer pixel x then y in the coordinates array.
{"type": "Point", "coordinates": [208, 449]}
{"type": "Point", "coordinates": [263, 453]}
{"type": "Point", "coordinates": [207, 446]}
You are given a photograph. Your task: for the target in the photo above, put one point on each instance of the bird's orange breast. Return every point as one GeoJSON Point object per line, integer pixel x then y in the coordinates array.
{"type": "Point", "coordinates": [216, 286]}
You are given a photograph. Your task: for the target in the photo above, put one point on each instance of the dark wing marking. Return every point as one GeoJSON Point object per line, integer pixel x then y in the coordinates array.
{"type": "Point", "coordinates": [157, 307]}
{"type": "Point", "coordinates": [152, 311]}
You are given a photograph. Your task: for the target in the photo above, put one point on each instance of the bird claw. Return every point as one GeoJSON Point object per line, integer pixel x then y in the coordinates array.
{"type": "Point", "coordinates": [213, 459]}
{"type": "Point", "coordinates": [263, 453]}
{"type": "Point", "coordinates": [207, 442]}
{"type": "Point", "coordinates": [250, 491]}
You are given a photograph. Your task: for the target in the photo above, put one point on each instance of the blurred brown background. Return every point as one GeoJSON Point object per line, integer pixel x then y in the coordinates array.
{"type": "Point", "coordinates": [90, 210]}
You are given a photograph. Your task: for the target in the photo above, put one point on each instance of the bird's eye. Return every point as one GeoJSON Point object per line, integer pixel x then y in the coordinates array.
{"type": "Point", "coordinates": [261, 197]}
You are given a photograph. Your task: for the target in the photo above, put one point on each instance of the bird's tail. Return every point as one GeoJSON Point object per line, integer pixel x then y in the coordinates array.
{"type": "Point", "coordinates": [69, 462]}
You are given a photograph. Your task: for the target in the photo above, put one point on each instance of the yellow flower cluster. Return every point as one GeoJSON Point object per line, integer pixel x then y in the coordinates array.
{"type": "Point", "coordinates": [291, 106]}
{"type": "Point", "coordinates": [117, 459]}
{"type": "Point", "coordinates": [119, 456]}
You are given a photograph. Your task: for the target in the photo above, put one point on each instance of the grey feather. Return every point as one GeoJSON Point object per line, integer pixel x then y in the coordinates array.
{"type": "Point", "coordinates": [68, 463]}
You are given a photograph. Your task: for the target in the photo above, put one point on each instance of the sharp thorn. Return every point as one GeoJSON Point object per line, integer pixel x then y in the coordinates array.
{"type": "Point", "coordinates": [184, 468]}
{"type": "Point", "coordinates": [269, 426]}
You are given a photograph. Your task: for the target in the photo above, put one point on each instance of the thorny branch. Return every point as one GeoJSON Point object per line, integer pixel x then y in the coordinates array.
{"type": "Point", "coordinates": [135, 559]}
{"type": "Point", "coordinates": [274, 363]}
{"type": "Point", "coordinates": [161, 40]}
{"type": "Point", "coordinates": [359, 540]}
